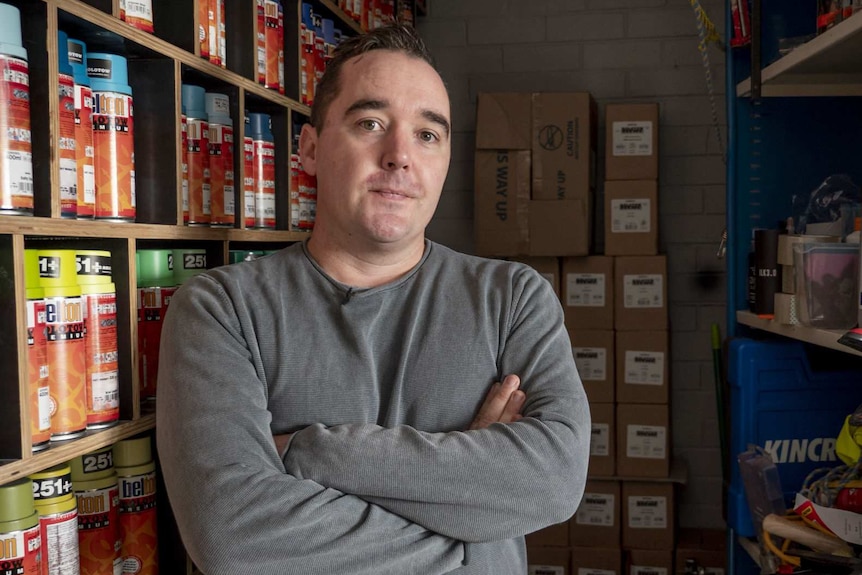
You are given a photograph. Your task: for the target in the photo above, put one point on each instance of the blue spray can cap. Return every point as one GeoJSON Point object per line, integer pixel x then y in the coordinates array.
{"type": "Point", "coordinates": [194, 98]}
{"type": "Point", "coordinates": [218, 109]}
{"type": "Point", "coordinates": [77, 53]}
{"type": "Point", "coordinates": [63, 55]}
{"type": "Point", "coordinates": [10, 32]}
{"type": "Point", "coordinates": [260, 127]}
{"type": "Point", "coordinates": [108, 73]}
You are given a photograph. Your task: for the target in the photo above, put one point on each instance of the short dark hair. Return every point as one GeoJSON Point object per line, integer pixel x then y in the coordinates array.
{"type": "Point", "coordinates": [397, 37]}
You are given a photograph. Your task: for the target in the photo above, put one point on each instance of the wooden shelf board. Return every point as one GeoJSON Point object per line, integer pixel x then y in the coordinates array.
{"type": "Point", "coordinates": [63, 451]}
{"type": "Point", "coordinates": [678, 474]}
{"type": "Point", "coordinates": [801, 72]}
{"type": "Point", "coordinates": [822, 337]}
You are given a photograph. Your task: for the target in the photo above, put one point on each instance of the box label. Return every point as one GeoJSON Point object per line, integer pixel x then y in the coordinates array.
{"type": "Point", "coordinates": [591, 571]}
{"type": "Point", "coordinates": [546, 570]}
{"type": "Point", "coordinates": [644, 367]}
{"type": "Point", "coordinates": [632, 139]}
{"type": "Point", "coordinates": [631, 216]}
{"type": "Point", "coordinates": [600, 440]}
{"type": "Point", "coordinates": [591, 363]}
{"type": "Point", "coordinates": [585, 290]}
{"type": "Point", "coordinates": [643, 291]}
{"type": "Point", "coordinates": [648, 512]}
{"type": "Point", "coordinates": [596, 509]}
{"type": "Point", "coordinates": [646, 441]}
{"type": "Point", "coordinates": [643, 570]}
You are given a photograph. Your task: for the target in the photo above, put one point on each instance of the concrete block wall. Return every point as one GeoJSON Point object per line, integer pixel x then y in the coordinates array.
{"type": "Point", "coordinates": [622, 51]}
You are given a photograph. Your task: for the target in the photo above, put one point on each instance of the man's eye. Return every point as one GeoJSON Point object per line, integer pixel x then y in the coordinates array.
{"type": "Point", "coordinates": [427, 136]}
{"type": "Point", "coordinates": [369, 125]}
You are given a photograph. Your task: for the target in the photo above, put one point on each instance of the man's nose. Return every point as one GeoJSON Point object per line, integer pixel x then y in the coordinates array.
{"type": "Point", "coordinates": [396, 153]}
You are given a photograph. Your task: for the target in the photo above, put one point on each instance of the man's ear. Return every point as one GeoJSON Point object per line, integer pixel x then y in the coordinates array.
{"type": "Point", "coordinates": [308, 149]}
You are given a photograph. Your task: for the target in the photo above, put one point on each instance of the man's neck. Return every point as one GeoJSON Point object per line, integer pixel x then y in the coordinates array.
{"type": "Point", "coordinates": [364, 268]}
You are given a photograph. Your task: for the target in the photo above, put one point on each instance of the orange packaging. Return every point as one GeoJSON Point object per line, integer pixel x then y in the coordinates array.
{"type": "Point", "coordinates": [222, 34]}
{"type": "Point", "coordinates": [138, 530]}
{"type": "Point", "coordinates": [139, 14]}
{"type": "Point", "coordinates": [261, 42]}
{"type": "Point", "coordinates": [264, 184]}
{"type": "Point", "coordinates": [280, 49]}
{"type": "Point", "coordinates": [21, 552]}
{"type": "Point", "coordinates": [203, 28]}
{"type": "Point", "coordinates": [16, 171]}
{"type": "Point", "coordinates": [184, 152]}
{"type": "Point", "coordinates": [64, 319]}
{"type": "Point", "coordinates": [67, 155]}
{"type": "Point", "coordinates": [212, 31]}
{"type": "Point", "coordinates": [221, 174]}
{"type": "Point", "coordinates": [307, 199]}
{"type": "Point", "coordinates": [102, 361]}
{"type": "Point", "coordinates": [99, 528]}
{"type": "Point", "coordinates": [294, 190]}
{"type": "Point", "coordinates": [248, 187]}
{"type": "Point", "coordinates": [37, 374]}
{"type": "Point", "coordinates": [114, 145]}
{"type": "Point", "coordinates": [200, 210]}
{"type": "Point", "coordinates": [272, 47]}
{"type": "Point", "coordinates": [84, 151]}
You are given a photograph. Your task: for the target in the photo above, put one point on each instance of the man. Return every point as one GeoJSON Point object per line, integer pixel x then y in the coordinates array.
{"type": "Point", "coordinates": [331, 409]}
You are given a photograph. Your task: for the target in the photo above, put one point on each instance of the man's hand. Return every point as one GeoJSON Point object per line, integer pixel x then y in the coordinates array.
{"type": "Point", "coordinates": [281, 443]}
{"type": "Point", "coordinates": [502, 405]}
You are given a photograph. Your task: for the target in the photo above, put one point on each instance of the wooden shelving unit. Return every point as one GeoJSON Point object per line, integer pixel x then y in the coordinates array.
{"type": "Point", "coordinates": [822, 337]}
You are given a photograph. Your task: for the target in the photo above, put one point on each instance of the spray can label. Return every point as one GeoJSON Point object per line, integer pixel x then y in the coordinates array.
{"type": "Point", "coordinates": [84, 151]}
{"type": "Point", "coordinates": [212, 31]}
{"type": "Point", "coordinates": [184, 135]}
{"type": "Point", "coordinates": [64, 318]}
{"type": "Point", "coordinates": [99, 529]}
{"type": "Point", "coordinates": [222, 34]}
{"type": "Point", "coordinates": [153, 304]}
{"type": "Point", "coordinates": [307, 199]}
{"type": "Point", "coordinates": [59, 532]}
{"type": "Point", "coordinates": [203, 28]}
{"type": "Point", "coordinates": [21, 552]}
{"type": "Point", "coordinates": [200, 209]}
{"type": "Point", "coordinates": [221, 174]}
{"type": "Point", "coordinates": [280, 56]}
{"type": "Point", "coordinates": [114, 146]}
{"type": "Point", "coordinates": [66, 146]}
{"type": "Point", "coordinates": [138, 524]}
{"type": "Point", "coordinates": [16, 150]}
{"type": "Point", "coordinates": [103, 379]}
{"type": "Point", "coordinates": [271, 19]}
{"type": "Point", "coordinates": [139, 13]}
{"type": "Point", "coordinates": [248, 181]}
{"type": "Point", "coordinates": [264, 184]}
{"type": "Point", "coordinates": [37, 374]}
{"type": "Point", "coordinates": [294, 191]}
{"type": "Point", "coordinates": [261, 42]}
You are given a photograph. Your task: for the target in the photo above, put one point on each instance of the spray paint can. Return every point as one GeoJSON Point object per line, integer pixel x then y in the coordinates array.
{"type": "Point", "coordinates": [95, 483]}
{"type": "Point", "coordinates": [37, 355]}
{"type": "Point", "coordinates": [294, 180]}
{"type": "Point", "coordinates": [203, 29]}
{"type": "Point", "coordinates": [184, 155]}
{"type": "Point", "coordinates": [264, 170]}
{"type": "Point", "coordinates": [261, 41]}
{"type": "Point", "coordinates": [113, 137]}
{"type": "Point", "coordinates": [156, 287]}
{"type": "Point", "coordinates": [188, 262]}
{"type": "Point", "coordinates": [66, 154]}
{"type": "Point", "coordinates": [136, 472]}
{"type": "Point", "coordinates": [221, 160]}
{"type": "Point", "coordinates": [272, 46]}
{"type": "Point", "coordinates": [84, 152]}
{"type": "Point", "coordinates": [64, 318]}
{"type": "Point", "coordinates": [197, 127]}
{"type": "Point", "coordinates": [307, 65]}
{"type": "Point", "coordinates": [248, 176]}
{"type": "Point", "coordinates": [137, 13]}
{"type": "Point", "coordinates": [100, 344]}
{"type": "Point", "coordinates": [58, 520]}
{"type": "Point", "coordinates": [16, 149]}
{"type": "Point", "coordinates": [20, 540]}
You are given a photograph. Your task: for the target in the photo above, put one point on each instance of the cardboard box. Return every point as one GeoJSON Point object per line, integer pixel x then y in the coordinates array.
{"type": "Point", "coordinates": [594, 356]}
{"type": "Point", "coordinates": [649, 562]}
{"type": "Point", "coordinates": [648, 516]}
{"type": "Point", "coordinates": [643, 367]}
{"type": "Point", "coordinates": [640, 297]}
{"type": "Point", "coordinates": [706, 547]}
{"type": "Point", "coordinates": [602, 443]}
{"type": "Point", "coordinates": [593, 561]}
{"type": "Point", "coordinates": [548, 561]}
{"type": "Point", "coordinates": [597, 522]}
{"type": "Point", "coordinates": [502, 197]}
{"type": "Point", "coordinates": [504, 121]}
{"type": "Point", "coordinates": [588, 292]}
{"type": "Point", "coordinates": [551, 536]}
{"type": "Point", "coordinates": [548, 267]}
{"type": "Point", "coordinates": [564, 145]}
{"type": "Point", "coordinates": [631, 218]}
{"type": "Point", "coordinates": [631, 151]}
{"type": "Point", "coordinates": [643, 440]}
{"type": "Point", "coordinates": [560, 228]}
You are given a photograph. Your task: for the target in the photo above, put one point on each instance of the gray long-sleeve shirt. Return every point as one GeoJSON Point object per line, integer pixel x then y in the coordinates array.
{"type": "Point", "coordinates": [377, 386]}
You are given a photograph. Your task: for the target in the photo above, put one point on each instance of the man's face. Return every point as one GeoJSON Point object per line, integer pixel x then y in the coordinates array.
{"type": "Point", "coordinates": [382, 154]}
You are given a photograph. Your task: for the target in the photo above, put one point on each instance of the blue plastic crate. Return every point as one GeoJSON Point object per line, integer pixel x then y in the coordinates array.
{"type": "Point", "coordinates": [777, 401]}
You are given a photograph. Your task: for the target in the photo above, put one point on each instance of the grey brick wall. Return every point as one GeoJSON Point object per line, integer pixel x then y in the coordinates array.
{"type": "Point", "coordinates": [620, 51]}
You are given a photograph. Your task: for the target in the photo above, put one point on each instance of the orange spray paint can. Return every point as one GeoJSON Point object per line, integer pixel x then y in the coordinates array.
{"type": "Point", "coordinates": [221, 160]}
{"type": "Point", "coordinates": [136, 473]}
{"type": "Point", "coordinates": [66, 154]}
{"type": "Point", "coordinates": [16, 150]}
{"type": "Point", "coordinates": [113, 137]}
{"type": "Point", "coordinates": [37, 354]}
{"type": "Point", "coordinates": [261, 41]}
{"type": "Point", "coordinates": [58, 520]}
{"type": "Point", "coordinates": [264, 170]}
{"type": "Point", "coordinates": [272, 46]}
{"type": "Point", "coordinates": [203, 29]}
{"type": "Point", "coordinates": [184, 154]}
{"type": "Point", "coordinates": [197, 128]}
{"type": "Point", "coordinates": [95, 483]}
{"type": "Point", "coordinates": [84, 152]}
{"type": "Point", "coordinates": [138, 13]}
{"type": "Point", "coordinates": [64, 319]}
{"type": "Point", "coordinates": [20, 539]}
{"type": "Point", "coordinates": [248, 177]}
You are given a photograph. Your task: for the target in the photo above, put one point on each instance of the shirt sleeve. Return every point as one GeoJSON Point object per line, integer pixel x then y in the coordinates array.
{"type": "Point", "coordinates": [236, 508]}
{"type": "Point", "coordinates": [481, 485]}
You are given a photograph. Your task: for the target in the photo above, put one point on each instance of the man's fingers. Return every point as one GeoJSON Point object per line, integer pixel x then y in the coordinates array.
{"type": "Point", "coordinates": [496, 405]}
{"type": "Point", "coordinates": [512, 411]}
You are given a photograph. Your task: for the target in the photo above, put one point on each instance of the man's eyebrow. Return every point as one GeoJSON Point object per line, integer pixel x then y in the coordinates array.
{"type": "Point", "coordinates": [367, 104]}
{"type": "Point", "coordinates": [437, 119]}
